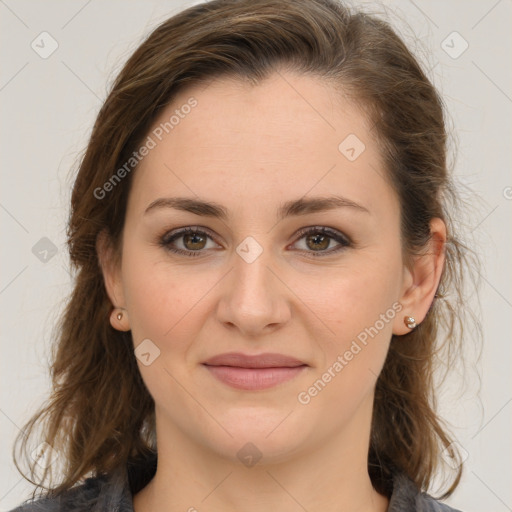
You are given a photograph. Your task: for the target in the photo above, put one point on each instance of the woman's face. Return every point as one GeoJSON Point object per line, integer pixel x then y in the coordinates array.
{"type": "Point", "coordinates": [255, 281]}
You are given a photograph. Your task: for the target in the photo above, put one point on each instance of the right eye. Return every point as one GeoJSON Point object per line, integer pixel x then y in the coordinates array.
{"type": "Point", "coordinates": [193, 240]}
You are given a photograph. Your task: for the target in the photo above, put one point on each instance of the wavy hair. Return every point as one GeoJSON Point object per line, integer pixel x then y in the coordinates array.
{"type": "Point", "coordinates": [99, 415]}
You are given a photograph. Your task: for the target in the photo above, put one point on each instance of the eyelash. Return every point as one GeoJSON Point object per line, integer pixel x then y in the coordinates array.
{"type": "Point", "coordinates": [343, 240]}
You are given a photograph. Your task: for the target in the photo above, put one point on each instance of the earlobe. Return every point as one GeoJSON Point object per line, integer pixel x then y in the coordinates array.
{"type": "Point", "coordinates": [112, 281]}
{"type": "Point", "coordinates": [422, 280]}
{"type": "Point", "coordinates": [119, 319]}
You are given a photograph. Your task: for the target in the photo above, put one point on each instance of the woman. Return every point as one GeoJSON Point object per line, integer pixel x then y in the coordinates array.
{"type": "Point", "coordinates": [260, 232]}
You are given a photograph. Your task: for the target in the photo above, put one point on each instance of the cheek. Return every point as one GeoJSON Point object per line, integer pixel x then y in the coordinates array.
{"type": "Point", "coordinates": [161, 305]}
{"type": "Point", "coordinates": [353, 356]}
{"type": "Point", "coordinates": [358, 309]}
{"type": "Point", "coordinates": [356, 299]}
{"type": "Point", "coordinates": [157, 296]}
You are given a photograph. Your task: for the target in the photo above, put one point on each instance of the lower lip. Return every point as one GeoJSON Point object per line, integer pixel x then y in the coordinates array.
{"type": "Point", "coordinates": [254, 378]}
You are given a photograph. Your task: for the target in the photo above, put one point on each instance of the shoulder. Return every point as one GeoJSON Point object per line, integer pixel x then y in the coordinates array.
{"type": "Point", "coordinates": [407, 497]}
{"type": "Point", "coordinates": [68, 500]}
{"type": "Point", "coordinates": [98, 493]}
{"type": "Point", "coordinates": [75, 499]}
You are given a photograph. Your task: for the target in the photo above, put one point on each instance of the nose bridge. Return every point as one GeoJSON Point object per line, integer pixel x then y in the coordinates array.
{"type": "Point", "coordinates": [252, 297]}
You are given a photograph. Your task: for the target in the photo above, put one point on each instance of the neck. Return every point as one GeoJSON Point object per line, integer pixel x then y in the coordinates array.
{"type": "Point", "coordinates": [329, 477]}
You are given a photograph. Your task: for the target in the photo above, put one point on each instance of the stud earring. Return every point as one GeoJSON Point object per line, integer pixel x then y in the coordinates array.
{"type": "Point", "coordinates": [410, 322]}
{"type": "Point", "coordinates": [118, 320]}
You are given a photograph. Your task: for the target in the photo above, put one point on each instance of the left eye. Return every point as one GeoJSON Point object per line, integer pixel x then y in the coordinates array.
{"type": "Point", "coordinates": [317, 240]}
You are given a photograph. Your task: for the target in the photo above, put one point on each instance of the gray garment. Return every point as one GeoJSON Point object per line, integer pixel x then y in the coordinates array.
{"type": "Point", "coordinates": [114, 494]}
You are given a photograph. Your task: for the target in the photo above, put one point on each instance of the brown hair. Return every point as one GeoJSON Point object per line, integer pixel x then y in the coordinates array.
{"type": "Point", "coordinates": [100, 415]}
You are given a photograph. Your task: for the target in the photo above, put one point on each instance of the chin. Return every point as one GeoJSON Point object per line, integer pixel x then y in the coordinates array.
{"type": "Point", "coordinates": [271, 436]}
{"type": "Point", "coordinates": [257, 449]}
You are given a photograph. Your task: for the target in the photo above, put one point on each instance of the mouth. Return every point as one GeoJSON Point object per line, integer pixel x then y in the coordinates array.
{"type": "Point", "coordinates": [254, 372]}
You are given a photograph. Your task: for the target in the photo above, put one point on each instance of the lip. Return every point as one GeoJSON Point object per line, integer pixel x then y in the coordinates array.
{"type": "Point", "coordinates": [254, 372]}
{"type": "Point", "coordinates": [265, 360]}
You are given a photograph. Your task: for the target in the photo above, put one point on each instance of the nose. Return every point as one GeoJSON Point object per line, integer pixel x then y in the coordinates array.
{"type": "Point", "coordinates": [254, 299]}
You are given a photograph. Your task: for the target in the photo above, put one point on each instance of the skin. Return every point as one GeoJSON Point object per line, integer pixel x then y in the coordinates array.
{"type": "Point", "coordinates": [250, 148]}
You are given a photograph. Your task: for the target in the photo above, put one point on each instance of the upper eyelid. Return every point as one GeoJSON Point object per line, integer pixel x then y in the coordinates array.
{"type": "Point", "coordinates": [332, 232]}
{"type": "Point", "coordinates": [186, 229]}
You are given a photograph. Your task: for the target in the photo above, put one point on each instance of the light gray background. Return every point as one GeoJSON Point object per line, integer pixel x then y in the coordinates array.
{"type": "Point", "coordinates": [48, 106]}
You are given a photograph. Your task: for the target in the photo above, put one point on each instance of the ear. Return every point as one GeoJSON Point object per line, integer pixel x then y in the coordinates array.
{"type": "Point", "coordinates": [421, 279]}
{"type": "Point", "coordinates": [111, 270]}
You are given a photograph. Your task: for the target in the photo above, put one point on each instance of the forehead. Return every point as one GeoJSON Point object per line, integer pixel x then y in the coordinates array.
{"type": "Point", "coordinates": [287, 136]}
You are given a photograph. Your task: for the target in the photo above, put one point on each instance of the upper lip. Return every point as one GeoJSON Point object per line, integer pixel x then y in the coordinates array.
{"type": "Point", "coordinates": [266, 360]}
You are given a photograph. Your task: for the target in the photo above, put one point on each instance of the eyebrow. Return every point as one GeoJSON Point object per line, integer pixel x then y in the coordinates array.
{"type": "Point", "coordinates": [302, 206]}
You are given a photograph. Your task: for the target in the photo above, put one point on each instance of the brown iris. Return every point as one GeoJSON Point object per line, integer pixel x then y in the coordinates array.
{"type": "Point", "coordinates": [196, 240]}
{"type": "Point", "coordinates": [321, 241]}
